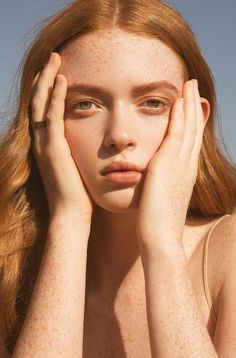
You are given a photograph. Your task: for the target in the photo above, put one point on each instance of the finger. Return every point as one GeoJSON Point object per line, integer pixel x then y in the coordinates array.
{"type": "Point", "coordinates": [44, 87]}
{"type": "Point", "coordinates": [55, 115]}
{"type": "Point", "coordinates": [189, 120]}
{"type": "Point", "coordinates": [36, 80]}
{"type": "Point", "coordinates": [200, 125]}
{"type": "Point", "coordinates": [38, 127]}
{"type": "Point", "coordinates": [52, 128]}
{"type": "Point", "coordinates": [34, 84]}
{"type": "Point", "coordinates": [175, 133]}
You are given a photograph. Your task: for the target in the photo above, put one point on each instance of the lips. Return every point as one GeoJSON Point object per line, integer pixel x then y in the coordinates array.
{"type": "Point", "coordinates": [121, 167]}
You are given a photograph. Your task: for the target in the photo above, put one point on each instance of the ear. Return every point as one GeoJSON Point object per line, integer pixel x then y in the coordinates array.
{"type": "Point", "coordinates": [206, 109]}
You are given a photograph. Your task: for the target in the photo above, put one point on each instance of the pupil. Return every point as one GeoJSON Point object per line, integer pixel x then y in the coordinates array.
{"type": "Point", "coordinates": [154, 103]}
{"type": "Point", "coordinates": [85, 105]}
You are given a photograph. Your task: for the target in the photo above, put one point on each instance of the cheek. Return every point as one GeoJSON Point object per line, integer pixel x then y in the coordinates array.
{"type": "Point", "coordinates": [158, 135]}
{"type": "Point", "coordinates": [72, 137]}
{"type": "Point", "coordinates": [81, 144]}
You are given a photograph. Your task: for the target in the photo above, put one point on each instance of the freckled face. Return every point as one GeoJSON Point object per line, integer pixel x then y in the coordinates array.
{"type": "Point", "coordinates": [118, 123]}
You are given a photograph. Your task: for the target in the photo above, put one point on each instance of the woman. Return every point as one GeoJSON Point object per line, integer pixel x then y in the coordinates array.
{"type": "Point", "coordinates": [112, 184]}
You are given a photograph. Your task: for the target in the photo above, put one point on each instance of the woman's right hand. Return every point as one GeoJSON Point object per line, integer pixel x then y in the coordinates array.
{"type": "Point", "coordinates": [66, 193]}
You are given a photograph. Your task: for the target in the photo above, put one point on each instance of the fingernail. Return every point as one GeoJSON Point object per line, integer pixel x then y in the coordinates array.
{"type": "Point", "coordinates": [191, 84]}
{"type": "Point", "coordinates": [195, 83]}
{"type": "Point", "coordinates": [52, 57]}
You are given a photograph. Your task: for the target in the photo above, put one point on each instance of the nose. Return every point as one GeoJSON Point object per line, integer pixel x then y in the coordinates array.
{"type": "Point", "coordinates": [120, 129]}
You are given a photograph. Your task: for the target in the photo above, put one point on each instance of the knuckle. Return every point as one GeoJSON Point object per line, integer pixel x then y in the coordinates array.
{"type": "Point", "coordinates": [55, 95]}
{"type": "Point", "coordinates": [50, 117]}
{"type": "Point", "coordinates": [35, 102]}
{"type": "Point", "coordinates": [37, 151]}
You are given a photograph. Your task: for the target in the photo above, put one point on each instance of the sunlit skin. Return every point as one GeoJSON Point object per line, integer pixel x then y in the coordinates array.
{"type": "Point", "coordinates": [127, 242]}
{"type": "Point", "coordinates": [118, 125]}
{"type": "Point", "coordinates": [121, 268]}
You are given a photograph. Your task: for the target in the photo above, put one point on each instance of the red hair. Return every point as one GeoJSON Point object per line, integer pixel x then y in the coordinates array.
{"type": "Point", "coordinates": [23, 206]}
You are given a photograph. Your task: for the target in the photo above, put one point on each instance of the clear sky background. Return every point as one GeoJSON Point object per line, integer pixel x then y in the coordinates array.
{"type": "Point", "coordinates": [213, 22]}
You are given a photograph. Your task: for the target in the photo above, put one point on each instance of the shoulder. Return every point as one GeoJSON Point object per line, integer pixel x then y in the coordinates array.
{"type": "Point", "coordinates": [221, 253]}
{"type": "Point", "coordinates": [226, 244]}
{"type": "Point", "coordinates": [223, 236]}
{"type": "Point", "coordinates": [223, 240]}
{"type": "Point", "coordinates": [223, 244]}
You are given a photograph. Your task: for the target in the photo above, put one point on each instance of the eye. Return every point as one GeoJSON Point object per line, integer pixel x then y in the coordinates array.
{"type": "Point", "coordinates": [83, 105]}
{"type": "Point", "coordinates": [155, 103]}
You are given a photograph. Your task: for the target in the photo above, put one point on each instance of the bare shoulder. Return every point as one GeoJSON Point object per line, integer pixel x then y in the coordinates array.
{"type": "Point", "coordinates": [223, 246]}
{"type": "Point", "coordinates": [227, 226]}
{"type": "Point", "coordinates": [223, 239]}
{"type": "Point", "coordinates": [223, 242]}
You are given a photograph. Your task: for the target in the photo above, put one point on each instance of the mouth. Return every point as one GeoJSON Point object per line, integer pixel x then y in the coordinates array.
{"type": "Point", "coordinates": [118, 166]}
{"type": "Point", "coordinates": [123, 176]}
{"type": "Point", "coordinates": [122, 172]}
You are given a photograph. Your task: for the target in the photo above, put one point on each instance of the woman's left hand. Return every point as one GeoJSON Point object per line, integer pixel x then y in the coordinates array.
{"type": "Point", "coordinates": [171, 174]}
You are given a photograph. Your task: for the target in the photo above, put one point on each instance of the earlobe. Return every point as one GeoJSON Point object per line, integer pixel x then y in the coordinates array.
{"type": "Point", "coordinates": [206, 108]}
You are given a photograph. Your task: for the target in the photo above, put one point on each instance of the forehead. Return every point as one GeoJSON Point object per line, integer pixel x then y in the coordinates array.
{"type": "Point", "coordinates": [114, 52]}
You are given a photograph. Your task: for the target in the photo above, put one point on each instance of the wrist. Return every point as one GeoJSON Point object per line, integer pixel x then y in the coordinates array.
{"type": "Point", "coordinates": [158, 251]}
{"type": "Point", "coordinates": [66, 216]}
{"type": "Point", "coordinates": [69, 226]}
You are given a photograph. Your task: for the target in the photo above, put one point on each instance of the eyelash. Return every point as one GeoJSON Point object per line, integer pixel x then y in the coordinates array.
{"type": "Point", "coordinates": [163, 104]}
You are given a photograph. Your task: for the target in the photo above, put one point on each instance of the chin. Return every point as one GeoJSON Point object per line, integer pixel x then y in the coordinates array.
{"type": "Point", "coordinates": [124, 200]}
{"type": "Point", "coordinates": [117, 209]}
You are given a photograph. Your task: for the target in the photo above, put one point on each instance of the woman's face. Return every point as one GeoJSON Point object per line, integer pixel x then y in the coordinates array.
{"type": "Point", "coordinates": [118, 122]}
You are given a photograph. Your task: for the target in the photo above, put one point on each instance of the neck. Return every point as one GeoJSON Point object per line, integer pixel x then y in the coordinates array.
{"type": "Point", "coordinates": [113, 253]}
{"type": "Point", "coordinates": [112, 249]}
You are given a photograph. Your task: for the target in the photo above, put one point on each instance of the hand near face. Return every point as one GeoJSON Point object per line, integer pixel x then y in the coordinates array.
{"type": "Point", "coordinates": [172, 173]}
{"type": "Point", "coordinates": [66, 193]}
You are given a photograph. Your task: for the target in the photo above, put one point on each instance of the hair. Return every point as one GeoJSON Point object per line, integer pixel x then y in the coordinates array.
{"type": "Point", "coordinates": [23, 207]}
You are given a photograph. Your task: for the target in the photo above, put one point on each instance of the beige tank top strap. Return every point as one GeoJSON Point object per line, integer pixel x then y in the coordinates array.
{"type": "Point", "coordinates": [205, 266]}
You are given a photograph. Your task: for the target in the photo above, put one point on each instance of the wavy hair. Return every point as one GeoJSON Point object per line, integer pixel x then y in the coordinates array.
{"type": "Point", "coordinates": [23, 205]}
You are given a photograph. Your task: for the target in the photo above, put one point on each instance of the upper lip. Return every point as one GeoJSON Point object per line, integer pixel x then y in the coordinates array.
{"type": "Point", "coordinates": [118, 165]}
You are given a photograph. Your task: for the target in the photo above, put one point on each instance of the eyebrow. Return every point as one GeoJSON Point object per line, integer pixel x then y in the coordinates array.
{"type": "Point", "coordinates": [136, 91]}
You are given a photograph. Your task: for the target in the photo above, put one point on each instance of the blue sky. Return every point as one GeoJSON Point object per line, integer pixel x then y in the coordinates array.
{"type": "Point", "coordinates": [213, 22]}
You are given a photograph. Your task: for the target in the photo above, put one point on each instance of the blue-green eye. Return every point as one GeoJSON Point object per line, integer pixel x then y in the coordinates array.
{"type": "Point", "coordinates": [152, 103]}
{"type": "Point", "coordinates": [83, 105]}
{"type": "Point", "coordinates": [155, 103]}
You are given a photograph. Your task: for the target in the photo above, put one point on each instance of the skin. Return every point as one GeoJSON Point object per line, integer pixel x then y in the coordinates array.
{"type": "Point", "coordinates": [134, 232]}
{"type": "Point", "coordinates": [118, 127]}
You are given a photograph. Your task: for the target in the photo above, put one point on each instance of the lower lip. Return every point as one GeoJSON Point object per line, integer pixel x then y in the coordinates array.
{"type": "Point", "coordinates": [123, 177]}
